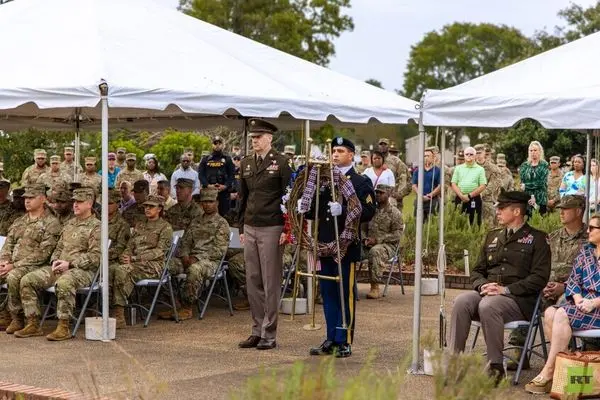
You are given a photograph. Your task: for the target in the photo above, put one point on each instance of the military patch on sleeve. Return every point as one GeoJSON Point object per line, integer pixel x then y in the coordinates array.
{"type": "Point", "coordinates": [369, 199]}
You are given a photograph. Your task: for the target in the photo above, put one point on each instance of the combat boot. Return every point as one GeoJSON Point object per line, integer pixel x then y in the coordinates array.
{"type": "Point", "coordinates": [120, 317]}
{"type": "Point", "coordinates": [31, 329]}
{"type": "Point", "coordinates": [374, 293]}
{"type": "Point", "coordinates": [4, 319]}
{"type": "Point", "coordinates": [62, 331]}
{"type": "Point", "coordinates": [16, 324]}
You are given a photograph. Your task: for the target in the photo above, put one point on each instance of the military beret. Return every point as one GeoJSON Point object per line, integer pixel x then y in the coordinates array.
{"type": "Point", "coordinates": [572, 201]}
{"type": "Point", "coordinates": [74, 185]}
{"type": "Point", "coordinates": [141, 186]}
{"type": "Point", "coordinates": [555, 159]}
{"type": "Point", "coordinates": [1, 166]}
{"type": "Point", "coordinates": [69, 150]}
{"type": "Point", "coordinates": [185, 182]}
{"type": "Point", "coordinates": [90, 160]}
{"type": "Point", "coordinates": [61, 195]}
{"type": "Point", "coordinates": [343, 142]}
{"type": "Point", "coordinates": [289, 149]}
{"type": "Point", "coordinates": [513, 197]}
{"type": "Point", "coordinates": [114, 196]}
{"type": "Point", "coordinates": [39, 152]}
{"type": "Point", "coordinates": [257, 127]}
{"type": "Point", "coordinates": [18, 192]}
{"type": "Point", "coordinates": [217, 139]}
{"type": "Point", "coordinates": [4, 184]}
{"type": "Point", "coordinates": [121, 150]}
{"type": "Point", "coordinates": [365, 153]}
{"type": "Point", "coordinates": [209, 194]}
{"type": "Point", "coordinates": [382, 187]}
{"type": "Point", "coordinates": [54, 159]}
{"type": "Point", "coordinates": [37, 189]}
{"type": "Point", "coordinates": [384, 141]}
{"type": "Point", "coordinates": [84, 194]}
{"type": "Point", "coordinates": [479, 147]}
{"type": "Point", "coordinates": [130, 156]}
{"type": "Point", "coordinates": [155, 200]}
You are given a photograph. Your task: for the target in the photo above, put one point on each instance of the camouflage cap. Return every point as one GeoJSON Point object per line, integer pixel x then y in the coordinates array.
{"type": "Point", "coordinates": [74, 185]}
{"type": "Point", "coordinates": [216, 139]}
{"type": "Point", "coordinates": [384, 141]}
{"type": "Point", "coordinates": [130, 156]}
{"type": "Point", "coordinates": [289, 149]}
{"type": "Point", "coordinates": [54, 159]}
{"type": "Point", "coordinates": [90, 160]}
{"type": "Point", "coordinates": [500, 156]}
{"type": "Point", "coordinates": [4, 184]}
{"type": "Point", "coordinates": [383, 188]}
{"type": "Point", "coordinates": [479, 147]}
{"type": "Point", "coordinates": [114, 196]}
{"type": "Point", "coordinates": [18, 192]}
{"type": "Point", "coordinates": [572, 201]}
{"type": "Point", "coordinates": [155, 200]}
{"type": "Point", "coordinates": [365, 153]}
{"type": "Point", "coordinates": [69, 150]}
{"type": "Point", "coordinates": [84, 194]}
{"type": "Point", "coordinates": [62, 196]}
{"type": "Point", "coordinates": [141, 186]}
{"type": "Point", "coordinates": [185, 182]}
{"type": "Point", "coordinates": [39, 153]}
{"type": "Point", "coordinates": [121, 150]}
{"type": "Point", "coordinates": [555, 159]}
{"type": "Point", "coordinates": [37, 189]}
{"type": "Point", "coordinates": [257, 127]}
{"type": "Point", "coordinates": [209, 194]}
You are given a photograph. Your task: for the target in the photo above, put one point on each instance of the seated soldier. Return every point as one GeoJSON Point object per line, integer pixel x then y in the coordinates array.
{"type": "Point", "coordinates": [136, 213]}
{"type": "Point", "coordinates": [119, 231]}
{"type": "Point", "coordinates": [143, 257]}
{"type": "Point", "coordinates": [62, 205]}
{"type": "Point", "coordinates": [203, 246]}
{"type": "Point", "coordinates": [384, 234]}
{"type": "Point", "coordinates": [30, 242]}
{"type": "Point", "coordinates": [73, 265]}
{"type": "Point", "coordinates": [512, 270]}
{"type": "Point", "coordinates": [181, 215]}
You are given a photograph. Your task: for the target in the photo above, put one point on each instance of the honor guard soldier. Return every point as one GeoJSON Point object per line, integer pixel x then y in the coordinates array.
{"type": "Point", "coordinates": [265, 177]}
{"type": "Point", "coordinates": [338, 340]}
{"type": "Point", "coordinates": [217, 170]}
{"type": "Point", "coordinates": [512, 269]}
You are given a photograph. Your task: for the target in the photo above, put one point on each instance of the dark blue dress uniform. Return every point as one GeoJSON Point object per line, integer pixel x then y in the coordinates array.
{"type": "Point", "coordinates": [218, 168]}
{"type": "Point", "coordinates": [336, 338]}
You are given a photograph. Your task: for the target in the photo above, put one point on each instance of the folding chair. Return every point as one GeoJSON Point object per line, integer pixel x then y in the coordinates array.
{"type": "Point", "coordinates": [219, 276]}
{"type": "Point", "coordinates": [164, 280]}
{"type": "Point", "coordinates": [528, 348]}
{"type": "Point", "coordinates": [585, 334]}
{"type": "Point", "coordinates": [289, 272]}
{"type": "Point", "coordinates": [395, 260]}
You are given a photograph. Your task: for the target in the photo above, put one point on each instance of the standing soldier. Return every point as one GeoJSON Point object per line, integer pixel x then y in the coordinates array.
{"type": "Point", "coordinates": [217, 170]}
{"type": "Point", "coordinates": [400, 170]}
{"type": "Point", "coordinates": [384, 234]}
{"type": "Point", "coordinates": [121, 162]}
{"type": "Point", "coordinates": [185, 211]}
{"type": "Point", "coordinates": [33, 172]}
{"type": "Point", "coordinates": [68, 166]}
{"type": "Point", "coordinates": [265, 177]}
{"type": "Point", "coordinates": [30, 242]}
{"type": "Point", "coordinates": [555, 177]}
{"type": "Point", "coordinates": [508, 182]}
{"type": "Point", "coordinates": [492, 190]}
{"type": "Point", "coordinates": [130, 173]}
{"type": "Point", "coordinates": [365, 161]}
{"type": "Point", "coordinates": [394, 150]}
{"type": "Point", "coordinates": [54, 176]}
{"type": "Point", "coordinates": [73, 265]}
{"type": "Point", "coordinates": [91, 177]}
{"type": "Point", "coordinates": [339, 341]}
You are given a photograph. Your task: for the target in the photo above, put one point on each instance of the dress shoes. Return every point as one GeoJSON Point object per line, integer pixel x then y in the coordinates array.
{"type": "Point", "coordinates": [343, 350]}
{"type": "Point", "coordinates": [249, 343]}
{"type": "Point", "coordinates": [265, 344]}
{"type": "Point", "coordinates": [325, 349]}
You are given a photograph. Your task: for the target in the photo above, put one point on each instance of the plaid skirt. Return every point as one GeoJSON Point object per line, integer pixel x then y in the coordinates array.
{"type": "Point", "coordinates": [581, 321]}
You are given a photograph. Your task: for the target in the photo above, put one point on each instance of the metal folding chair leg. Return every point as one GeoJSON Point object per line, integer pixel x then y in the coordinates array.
{"type": "Point", "coordinates": [226, 284]}
{"type": "Point", "coordinates": [390, 277]}
{"type": "Point", "coordinates": [208, 296]}
{"type": "Point", "coordinates": [51, 302]}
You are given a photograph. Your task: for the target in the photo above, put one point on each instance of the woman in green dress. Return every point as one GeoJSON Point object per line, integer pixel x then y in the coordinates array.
{"type": "Point", "coordinates": [534, 177]}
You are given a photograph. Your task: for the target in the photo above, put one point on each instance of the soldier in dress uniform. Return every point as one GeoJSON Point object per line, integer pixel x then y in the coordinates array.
{"type": "Point", "coordinates": [130, 173]}
{"type": "Point", "coordinates": [338, 341]}
{"type": "Point", "coordinates": [555, 177]}
{"type": "Point", "coordinates": [73, 265]}
{"type": "Point", "coordinates": [68, 166]}
{"type": "Point", "coordinates": [384, 234]}
{"type": "Point", "coordinates": [265, 177]}
{"type": "Point", "coordinates": [217, 170]}
{"type": "Point", "coordinates": [30, 241]}
{"type": "Point", "coordinates": [121, 158]}
{"type": "Point", "coordinates": [182, 214]}
{"type": "Point", "coordinates": [54, 176]}
{"type": "Point", "coordinates": [135, 213]}
{"type": "Point", "coordinates": [91, 178]}
{"type": "Point", "coordinates": [33, 172]}
{"type": "Point", "coordinates": [492, 190]}
{"type": "Point", "coordinates": [512, 270]}
{"type": "Point", "coordinates": [400, 170]}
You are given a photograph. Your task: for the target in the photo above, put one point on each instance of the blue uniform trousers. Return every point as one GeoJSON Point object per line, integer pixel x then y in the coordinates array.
{"type": "Point", "coordinates": [330, 291]}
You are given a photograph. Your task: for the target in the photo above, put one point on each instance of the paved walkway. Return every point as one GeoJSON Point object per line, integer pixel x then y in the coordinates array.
{"type": "Point", "coordinates": [200, 359]}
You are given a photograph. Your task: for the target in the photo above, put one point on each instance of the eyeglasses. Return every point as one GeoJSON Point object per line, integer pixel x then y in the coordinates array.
{"type": "Point", "coordinates": [469, 154]}
{"type": "Point", "coordinates": [592, 227]}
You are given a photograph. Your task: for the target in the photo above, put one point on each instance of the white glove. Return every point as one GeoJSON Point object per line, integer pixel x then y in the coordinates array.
{"type": "Point", "coordinates": [301, 209]}
{"type": "Point", "coordinates": [283, 208]}
{"type": "Point", "coordinates": [335, 208]}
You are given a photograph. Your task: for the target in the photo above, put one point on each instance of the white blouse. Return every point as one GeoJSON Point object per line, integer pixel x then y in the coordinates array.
{"type": "Point", "coordinates": [386, 177]}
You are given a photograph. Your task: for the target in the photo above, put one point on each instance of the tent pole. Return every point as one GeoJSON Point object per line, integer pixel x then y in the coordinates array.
{"type": "Point", "coordinates": [442, 200]}
{"type": "Point", "coordinates": [77, 145]}
{"type": "Point", "coordinates": [104, 220]}
{"type": "Point", "coordinates": [414, 368]}
{"type": "Point", "coordinates": [588, 162]}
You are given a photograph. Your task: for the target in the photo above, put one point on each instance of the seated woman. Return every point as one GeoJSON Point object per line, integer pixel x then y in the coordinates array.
{"type": "Point", "coordinates": [582, 310]}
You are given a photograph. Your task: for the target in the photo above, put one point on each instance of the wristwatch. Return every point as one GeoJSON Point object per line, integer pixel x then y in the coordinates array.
{"type": "Point", "coordinates": [506, 290]}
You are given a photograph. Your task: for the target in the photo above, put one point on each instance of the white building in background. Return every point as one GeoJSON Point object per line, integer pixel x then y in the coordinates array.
{"type": "Point", "coordinates": [412, 150]}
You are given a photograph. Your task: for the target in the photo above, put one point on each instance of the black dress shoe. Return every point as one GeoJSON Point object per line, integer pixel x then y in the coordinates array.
{"type": "Point", "coordinates": [252, 341]}
{"type": "Point", "coordinates": [325, 349]}
{"type": "Point", "coordinates": [343, 350]}
{"type": "Point", "coordinates": [497, 372]}
{"type": "Point", "coordinates": [265, 344]}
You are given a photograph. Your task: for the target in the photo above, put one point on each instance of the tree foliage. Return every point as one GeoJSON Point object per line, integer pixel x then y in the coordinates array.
{"type": "Point", "coordinates": [304, 28]}
{"type": "Point", "coordinates": [580, 21]}
{"type": "Point", "coordinates": [375, 83]}
{"type": "Point", "coordinates": [170, 148]}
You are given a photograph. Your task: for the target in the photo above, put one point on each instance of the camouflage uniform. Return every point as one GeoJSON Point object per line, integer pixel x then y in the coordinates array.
{"type": "Point", "coordinates": [52, 179]}
{"type": "Point", "coordinates": [205, 241]}
{"type": "Point", "coordinates": [554, 182]}
{"type": "Point", "coordinates": [402, 175]}
{"type": "Point", "coordinates": [119, 234]}
{"type": "Point", "coordinates": [386, 229]}
{"type": "Point", "coordinates": [129, 176]}
{"type": "Point", "coordinates": [8, 215]}
{"type": "Point", "coordinates": [79, 244]}
{"type": "Point", "coordinates": [29, 245]}
{"type": "Point", "coordinates": [92, 180]}
{"type": "Point", "coordinates": [235, 262]}
{"type": "Point", "coordinates": [181, 216]}
{"type": "Point", "coordinates": [491, 191]}
{"type": "Point", "coordinates": [69, 169]}
{"type": "Point", "coordinates": [147, 247]}
{"type": "Point", "coordinates": [134, 214]}
{"type": "Point", "coordinates": [32, 173]}
{"type": "Point", "coordinates": [508, 181]}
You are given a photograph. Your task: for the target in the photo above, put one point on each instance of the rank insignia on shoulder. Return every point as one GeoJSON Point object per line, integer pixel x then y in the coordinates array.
{"type": "Point", "coordinates": [369, 199]}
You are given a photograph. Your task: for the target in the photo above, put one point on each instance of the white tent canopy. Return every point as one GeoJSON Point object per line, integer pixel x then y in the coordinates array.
{"type": "Point", "coordinates": [159, 63]}
{"type": "Point", "coordinates": [559, 88]}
